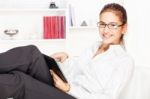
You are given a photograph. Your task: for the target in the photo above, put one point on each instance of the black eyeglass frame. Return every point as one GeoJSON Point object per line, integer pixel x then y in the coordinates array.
{"type": "Point", "coordinates": [110, 26]}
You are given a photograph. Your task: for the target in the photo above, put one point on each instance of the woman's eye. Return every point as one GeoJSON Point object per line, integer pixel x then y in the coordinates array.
{"type": "Point", "coordinates": [113, 25]}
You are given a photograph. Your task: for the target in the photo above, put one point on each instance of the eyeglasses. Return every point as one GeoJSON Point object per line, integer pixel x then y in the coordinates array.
{"type": "Point", "coordinates": [110, 25]}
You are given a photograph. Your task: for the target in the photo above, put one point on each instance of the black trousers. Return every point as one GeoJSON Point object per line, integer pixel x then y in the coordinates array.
{"type": "Point", "coordinates": [24, 74]}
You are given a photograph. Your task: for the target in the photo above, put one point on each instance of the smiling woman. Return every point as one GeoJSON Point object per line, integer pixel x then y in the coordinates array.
{"type": "Point", "coordinates": [103, 70]}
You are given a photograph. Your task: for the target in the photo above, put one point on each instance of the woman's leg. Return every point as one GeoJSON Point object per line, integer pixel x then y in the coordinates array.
{"type": "Point", "coordinates": [27, 59]}
{"type": "Point", "coordinates": [11, 86]}
{"type": "Point", "coordinates": [18, 85]}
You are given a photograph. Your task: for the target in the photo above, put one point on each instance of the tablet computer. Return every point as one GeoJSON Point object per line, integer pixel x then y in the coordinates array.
{"type": "Point", "coordinates": [52, 64]}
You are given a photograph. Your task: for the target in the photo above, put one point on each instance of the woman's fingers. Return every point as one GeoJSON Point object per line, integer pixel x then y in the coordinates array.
{"type": "Point", "coordinates": [63, 59]}
{"type": "Point", "coordinates": [55, 76]}
{"type": "Point", "coordinates": [60, 56]}
{"type": "Point", "coordinates": [59, 83]}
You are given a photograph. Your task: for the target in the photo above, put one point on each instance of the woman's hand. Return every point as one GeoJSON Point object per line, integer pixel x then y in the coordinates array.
{"type": "Point", "coordinates": [60, 56]}
{"type": "Point", "coordinates": [59, 83]}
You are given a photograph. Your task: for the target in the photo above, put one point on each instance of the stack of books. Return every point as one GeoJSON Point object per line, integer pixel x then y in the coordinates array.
{"type": "Point", "coordinates": [54, 27]}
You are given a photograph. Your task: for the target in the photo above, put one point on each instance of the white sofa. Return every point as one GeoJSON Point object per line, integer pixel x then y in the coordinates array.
{"type": "Point", "coordinates": [139, 86]}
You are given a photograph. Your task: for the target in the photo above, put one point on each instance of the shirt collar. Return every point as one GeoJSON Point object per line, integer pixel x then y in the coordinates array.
{"type": "Point", "coordinates": [117, 49]}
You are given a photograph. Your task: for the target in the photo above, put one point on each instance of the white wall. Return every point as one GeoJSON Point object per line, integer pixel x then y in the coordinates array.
{"type": "Point", "coordinates": [139, 30]}
{"type": "Point", "coordinates": [88, 10]}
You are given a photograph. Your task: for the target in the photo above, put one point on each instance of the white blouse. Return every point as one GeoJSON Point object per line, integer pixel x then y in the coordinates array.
{"type": "Point", "coordinates": [101, 77]}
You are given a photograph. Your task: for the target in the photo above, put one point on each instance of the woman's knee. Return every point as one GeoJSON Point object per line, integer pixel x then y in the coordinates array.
{"type": "Point", "coordinates": [33, 50]}
{"type": "Point", "coordinates": [32, 47]}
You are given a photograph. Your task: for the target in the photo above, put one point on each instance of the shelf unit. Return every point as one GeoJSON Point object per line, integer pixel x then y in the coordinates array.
{"type": "Point", "coordinates": [30, 23]}
{"type": "Point", "coordinates": [23, 18]}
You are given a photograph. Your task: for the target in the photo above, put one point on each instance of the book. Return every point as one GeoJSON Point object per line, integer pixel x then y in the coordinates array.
{"type": "Point", "coordinates": [52, 64]}
{"type": "Point", "coordinates": [54, 27]}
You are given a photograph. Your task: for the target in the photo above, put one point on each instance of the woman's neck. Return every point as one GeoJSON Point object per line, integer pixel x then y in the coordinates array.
{"type": "Point", "coordinates": [101, 49]}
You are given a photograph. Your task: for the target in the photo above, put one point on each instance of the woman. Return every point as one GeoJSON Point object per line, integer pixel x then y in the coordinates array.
{"type": "Point", "coordinates": [103, 70]}
{"type": "Point", "coordinates": [100, 72]}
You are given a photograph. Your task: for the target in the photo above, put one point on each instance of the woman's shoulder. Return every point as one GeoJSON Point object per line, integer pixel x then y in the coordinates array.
{"type": "Point", "coordinates": [121, 53]}
{"type": "Point", "coordinates": [126, 58]}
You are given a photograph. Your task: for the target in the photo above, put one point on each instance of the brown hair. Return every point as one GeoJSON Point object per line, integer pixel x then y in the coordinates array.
{"type": "Point", "coordinates": [117, 9]}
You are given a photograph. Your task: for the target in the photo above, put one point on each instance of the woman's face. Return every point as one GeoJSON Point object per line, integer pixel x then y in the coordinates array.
{"type": "Point", "coordinates": [111, 28]}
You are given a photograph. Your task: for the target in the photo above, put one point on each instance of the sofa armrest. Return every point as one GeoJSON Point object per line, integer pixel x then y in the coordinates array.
{"type": "Point", "coordinates": [139, 86]}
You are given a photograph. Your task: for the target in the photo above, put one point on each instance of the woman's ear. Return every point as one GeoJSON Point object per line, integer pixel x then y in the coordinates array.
{"type": "Point", "coordinates": [124, 28]}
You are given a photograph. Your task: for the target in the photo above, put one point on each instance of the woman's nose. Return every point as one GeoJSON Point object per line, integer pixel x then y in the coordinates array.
{"type": "Point", "coordinates": [106, 29]}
